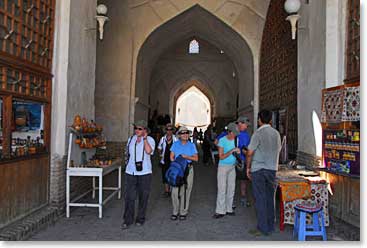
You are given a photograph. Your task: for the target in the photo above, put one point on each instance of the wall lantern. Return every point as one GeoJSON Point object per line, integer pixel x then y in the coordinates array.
{"type": "Point", "coordinates": [101, 18]}
{"type": "Point", "coordinates": [292, 7]}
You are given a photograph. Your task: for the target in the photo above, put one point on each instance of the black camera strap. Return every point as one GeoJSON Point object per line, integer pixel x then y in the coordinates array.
{"type": "Point", "coordinates": [136, 142]}
{"type": "Point", "coordinates": [235, 154]}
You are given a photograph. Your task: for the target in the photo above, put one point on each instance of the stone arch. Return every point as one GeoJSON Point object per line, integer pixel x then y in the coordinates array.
{"type": "Point", "coordinates": [194, 74]}
{"type": "Point", "coordinates": [185, 85]}
{"type": "Point", "coordinates": [197, 93]}
{"type": "Point", "coordinates": [199, 22]}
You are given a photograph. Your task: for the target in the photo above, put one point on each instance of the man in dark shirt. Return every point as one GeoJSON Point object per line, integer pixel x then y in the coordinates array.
{"type": "Point", "coordinates": [243, 141]}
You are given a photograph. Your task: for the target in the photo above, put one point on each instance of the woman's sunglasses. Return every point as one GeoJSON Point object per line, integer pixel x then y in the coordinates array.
{"type": "Point", "coordinates": [184, 132]}
{"type": "Point", "coordinates": [138, 128]}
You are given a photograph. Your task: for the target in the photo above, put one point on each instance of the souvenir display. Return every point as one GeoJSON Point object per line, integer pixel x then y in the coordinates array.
{"type": "Point", "coordinates": [88, 133]}
{"type": "Point", "coordinates": [341, 150]}
{"type": "Point", "coordinates": [341, 133]}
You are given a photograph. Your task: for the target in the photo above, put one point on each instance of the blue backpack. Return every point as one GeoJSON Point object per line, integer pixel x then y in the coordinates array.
{"type": "Point", "coordinates": [177, 172]}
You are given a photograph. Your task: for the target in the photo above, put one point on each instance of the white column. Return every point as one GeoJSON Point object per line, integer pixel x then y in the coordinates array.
{"type": "Point", "coordinates": [59, 96]}
{"type": "Point", "coordinates": [335, 42]}
{"type": "Point", "coordinates": [60, 80]}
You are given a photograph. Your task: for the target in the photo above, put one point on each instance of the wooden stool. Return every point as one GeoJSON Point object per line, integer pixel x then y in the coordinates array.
{"type": "Point", "coordinates": [300, 226]}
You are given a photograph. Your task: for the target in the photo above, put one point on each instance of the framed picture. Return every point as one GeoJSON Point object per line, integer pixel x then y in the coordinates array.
{"type": "Point", "coordinates": [27, 115]}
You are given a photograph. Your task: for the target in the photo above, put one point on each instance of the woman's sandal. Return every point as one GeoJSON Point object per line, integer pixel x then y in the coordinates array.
{"type": "Point", "coordinates": [174, 217]}
{"type": "Point", "coordinates": [182, 217]}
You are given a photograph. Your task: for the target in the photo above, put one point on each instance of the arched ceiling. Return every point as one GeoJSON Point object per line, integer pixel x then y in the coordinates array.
{"type": "Point", "coordinates": [245, 16]}
{"type": "Point", "coordinates": [176, 66]}
{"type": "Point", "coordinates": [200, 23]}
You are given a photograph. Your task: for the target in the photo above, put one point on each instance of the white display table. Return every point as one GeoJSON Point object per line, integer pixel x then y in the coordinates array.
{"type": "Point", "coordinates": [91, 172]}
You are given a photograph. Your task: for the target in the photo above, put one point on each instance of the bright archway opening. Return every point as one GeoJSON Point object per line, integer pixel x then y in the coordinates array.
{"type": "Point", "coordinates": [193, 109]}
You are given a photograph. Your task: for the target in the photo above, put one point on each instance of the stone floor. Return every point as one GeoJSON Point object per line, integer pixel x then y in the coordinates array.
{"type": "Point", "coordinates": [85, 225]}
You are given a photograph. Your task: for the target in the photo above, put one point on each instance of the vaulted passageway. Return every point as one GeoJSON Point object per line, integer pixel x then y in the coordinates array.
{"type": "Point", "coordinates": [224, 65]}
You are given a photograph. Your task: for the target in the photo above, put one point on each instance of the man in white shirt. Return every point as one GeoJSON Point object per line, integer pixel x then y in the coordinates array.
{"type": "Point", "coordinates": [164, 147]}
{"type": "Point", "coordinates": [138, 174]}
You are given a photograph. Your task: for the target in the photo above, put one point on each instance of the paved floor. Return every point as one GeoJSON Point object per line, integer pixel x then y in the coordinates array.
{"type": "Point", "coordinates": [84, 223]}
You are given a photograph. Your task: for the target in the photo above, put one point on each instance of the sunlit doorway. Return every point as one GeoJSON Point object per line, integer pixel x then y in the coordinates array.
{"type": "Point", "coordinates": [193, 109]}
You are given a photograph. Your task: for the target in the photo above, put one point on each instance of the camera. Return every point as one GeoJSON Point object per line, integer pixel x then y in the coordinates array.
{"type": "Point", "coordinates": [139, 166]}
{"type": "Point", "coordinates": [237, 156]}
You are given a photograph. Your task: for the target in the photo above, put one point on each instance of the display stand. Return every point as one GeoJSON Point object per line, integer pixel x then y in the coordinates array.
{"type": "Point", "coordinates": [91, 172]}
{"type": "Point", "coordinates": [341, 132]}
{"type": "Point", "coordinates": [340, 120]}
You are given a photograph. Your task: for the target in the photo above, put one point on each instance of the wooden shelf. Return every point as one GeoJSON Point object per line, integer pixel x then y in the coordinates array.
{"type": "Point", "coordinates": [22, 158]}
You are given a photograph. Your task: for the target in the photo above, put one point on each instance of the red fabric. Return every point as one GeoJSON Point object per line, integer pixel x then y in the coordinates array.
{"type": "Point", "coordinates": [307, 207]}
{"type": "Point", "coordinates": [281, 208]}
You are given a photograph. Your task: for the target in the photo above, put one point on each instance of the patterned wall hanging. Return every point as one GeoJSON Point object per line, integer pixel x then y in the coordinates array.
{"type": "Point", "coordinates": [332, 106]}
{"type": "Point", "coordinates": [351, 104]}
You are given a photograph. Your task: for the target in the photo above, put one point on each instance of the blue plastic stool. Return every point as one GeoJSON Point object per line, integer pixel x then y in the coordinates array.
{"type": "Point", "coordinates": [300, 226]}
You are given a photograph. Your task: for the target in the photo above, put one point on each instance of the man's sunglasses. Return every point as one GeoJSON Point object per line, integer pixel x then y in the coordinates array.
{"type": "Point", "coordinates": [184, 132]}
{"type": "Point", "coordinates": [169, 129]}
{"type": "Point", "coordinates": [138, 128]}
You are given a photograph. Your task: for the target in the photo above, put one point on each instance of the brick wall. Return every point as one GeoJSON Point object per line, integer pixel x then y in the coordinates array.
{"type": "Point", "coordinates": [78, 185]}
{"type": "Point", "coordinates": [113, 149]}
{"type": "Point", "coordinates": [57, 182]}
{"type": "Point", "coordinates": [278, 69]}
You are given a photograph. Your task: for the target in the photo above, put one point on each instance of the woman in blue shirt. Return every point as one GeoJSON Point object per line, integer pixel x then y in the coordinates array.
{"type": "Point", "coordinates": [226, 175]}
{"type": "Point", "coordinates": [188, 151]}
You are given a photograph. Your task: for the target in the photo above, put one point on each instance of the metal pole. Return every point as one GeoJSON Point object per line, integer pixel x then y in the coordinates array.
{"type": "Point", "coordinates": [100, 195]}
